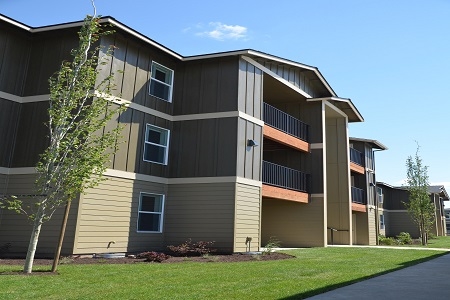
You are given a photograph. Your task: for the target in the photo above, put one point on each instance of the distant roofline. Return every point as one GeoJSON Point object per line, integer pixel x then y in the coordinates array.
{"type": "Point", "coordinates": [374, 142]}
{"type": "Point", "coordinates": [441, 192]}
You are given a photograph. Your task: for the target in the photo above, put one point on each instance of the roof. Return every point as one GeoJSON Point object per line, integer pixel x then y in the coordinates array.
{"type": "Point", "coordinates": [439, 189]}
{"type": "Point", "coordinates": [432, 189]}
{"type": "Point", "coordinates": [375, 144]}
{"type": "Point", "coordinates": [344, 104]}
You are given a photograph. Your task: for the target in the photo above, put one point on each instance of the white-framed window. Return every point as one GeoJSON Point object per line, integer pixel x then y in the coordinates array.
{"type": "Point", "coordinates": [380, 195]}
{"type": "Point", "coordinates": [161, 82]}
{"type": "Point", "coordinates": [381, 221]}
{"type": "Point", "coordinates": [150, 213]}
{"type": "Point", "coordinates": [156, 144]}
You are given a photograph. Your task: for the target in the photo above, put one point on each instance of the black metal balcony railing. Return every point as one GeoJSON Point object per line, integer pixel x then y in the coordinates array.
{"type": "Point", "coordinates": [284, 177]}
{"type": "Point", "coordinates": [358, 195]}
{"type": "Point", "coordinates": [356, 156]}
{"type": "Point", "coordinates": [285, 122]}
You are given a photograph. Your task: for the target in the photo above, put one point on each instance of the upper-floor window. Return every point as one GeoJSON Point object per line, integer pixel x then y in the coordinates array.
{"type": "Point", "coordinates": [380, 195]}
{"type": "Point", "coordinates": [150, 213]}
{"type": "Point", "coordinates": [161, 82]}
{"type": "Point", "coordinates": [382, 222]}
{"type": "Point", "coordinates": [156, 144]}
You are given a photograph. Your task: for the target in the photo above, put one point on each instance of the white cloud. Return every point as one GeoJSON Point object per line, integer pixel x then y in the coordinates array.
{"type": "Point", "coordinates": [221, 32]}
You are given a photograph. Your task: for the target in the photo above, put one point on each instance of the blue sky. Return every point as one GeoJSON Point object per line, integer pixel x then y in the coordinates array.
{"type": "Point", "coordinates": [390, 57]}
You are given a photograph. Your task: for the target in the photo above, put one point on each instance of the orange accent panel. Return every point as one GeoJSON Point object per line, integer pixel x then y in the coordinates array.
{"type": "Point", "coordinates": [359, 207]}
{"type": "Point", "coordinates": [285, 139]}
{"type": "Point", "coordinates": [356, 168]}
{"type": "Point", "coordinates": [284, 194]}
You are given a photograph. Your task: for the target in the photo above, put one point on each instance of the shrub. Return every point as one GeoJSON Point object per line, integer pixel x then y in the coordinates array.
{"type": "Point", "coordinates": [271, 244]}
{"type": "Point", "coordinates": [431, 236]}
{"type": "Point", "coordinates": [189, 248]}
{"type": "Point", "coordinates": [387, 241]}
{"type": "Point", "coordinates": [404, 238]}
{"type": "Point", "coordinates": [152, 256]}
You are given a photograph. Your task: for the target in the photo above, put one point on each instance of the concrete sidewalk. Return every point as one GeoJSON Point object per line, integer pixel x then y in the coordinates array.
{"type": "Point", "coordinates": [428, 280]}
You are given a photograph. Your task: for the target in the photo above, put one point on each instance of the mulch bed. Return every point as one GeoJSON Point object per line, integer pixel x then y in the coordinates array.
{"type": "Point", "coordinates": [236, 257]}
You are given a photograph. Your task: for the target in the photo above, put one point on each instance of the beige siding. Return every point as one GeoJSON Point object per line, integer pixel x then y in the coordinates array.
{"type": "Point", "coordinates": [201, 212]}
{"type": "Point", "coordinates": [109, 213]}
{"type": "Point", "coordinates": [248, 215]}
{"type": "Point", "coordinates": [294, 224]}
{"type": "Point", "coordinates": [372, 227]}
{"type": "Point", "coordinates": [338, 181]}
{"type": "Point", "coordinates": [16, 229]}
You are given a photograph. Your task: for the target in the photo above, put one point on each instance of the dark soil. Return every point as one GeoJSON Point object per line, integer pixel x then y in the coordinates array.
{"type": "Point", "coordinates": [236, 257]}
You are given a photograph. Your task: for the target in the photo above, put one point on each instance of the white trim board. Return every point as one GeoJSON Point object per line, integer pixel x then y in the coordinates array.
{"type": "Point", "coordinates": [147, 110]}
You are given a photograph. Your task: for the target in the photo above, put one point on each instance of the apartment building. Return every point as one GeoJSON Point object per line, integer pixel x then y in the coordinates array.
{"type": "Point", "coordinates": [366, 197]}
{"type": "Point", "coordinates": [226, 147]}
{"type": "Point", "coordinates": [394, 217]}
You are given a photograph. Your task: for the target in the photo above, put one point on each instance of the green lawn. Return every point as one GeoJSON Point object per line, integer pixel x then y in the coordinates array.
{"type": "Point", "coordinates": [439, 242]}
{"type": "Point", "coordinates": [313, 271]}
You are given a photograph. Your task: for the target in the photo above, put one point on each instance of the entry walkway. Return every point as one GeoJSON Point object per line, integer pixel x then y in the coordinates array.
{"type": "Point", "coordinates": [427, 280]}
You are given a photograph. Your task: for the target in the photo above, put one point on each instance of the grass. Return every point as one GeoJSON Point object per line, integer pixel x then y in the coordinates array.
{"type": "Point", "coordinates": [439, 242]}
{"type": "Point", "coordinates": [313, 271]}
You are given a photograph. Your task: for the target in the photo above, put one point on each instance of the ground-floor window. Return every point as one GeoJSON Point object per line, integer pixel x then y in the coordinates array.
{"type": "Point", "coordinates": [150, 212]}
{"type": "Point", "coordinates": [381, 221]}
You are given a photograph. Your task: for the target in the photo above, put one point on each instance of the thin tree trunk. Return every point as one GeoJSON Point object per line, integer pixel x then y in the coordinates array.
{"type": "Point", "coordinates": [28, 267]}
{"type": "Point", "coordinates": [61, 237]}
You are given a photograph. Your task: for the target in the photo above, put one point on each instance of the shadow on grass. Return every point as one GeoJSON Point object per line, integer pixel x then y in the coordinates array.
{"type": "Point", "coordinates": [342, 284]}
{"type": "Point", "coordinates": [34, 273]}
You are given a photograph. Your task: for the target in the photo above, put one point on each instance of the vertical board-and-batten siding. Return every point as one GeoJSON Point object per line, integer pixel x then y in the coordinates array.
{"type": "Point", "coordinates": [250, 89]}
{"type": "Point", "coordinates": [247, 217]}
{"type": "Point", "coordinates": [108, 213]}
{"type": "Point", "coordinates": [16, 229]}
{"type": "Point", "coordinates": [249, 158]}
{"type": "Point", "coordinates": [9, 116]}
{"type": "Point", "coordinates": [15, 48]}
{"type": "Point", "coordinates": [293, 75]}
{"type": "Point", "coordinates": [201, 212]}
{"type": "Point", "coordinates": [131, 66]}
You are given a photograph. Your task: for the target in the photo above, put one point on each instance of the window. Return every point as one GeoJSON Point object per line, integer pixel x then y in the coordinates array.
{"type": "Point", "coordinates": [156, 144]}
{"type": "Point", "coordinates": [380, 195]}
{"type": "Point", "coordinates": [161, 82]}
{"type": "Point", "coordinates": [381, 221]}
{"type": "Point", "coordinates": [150, 214]}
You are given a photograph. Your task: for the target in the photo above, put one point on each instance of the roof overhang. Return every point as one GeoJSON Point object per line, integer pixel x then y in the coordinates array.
{"type": "Point", "coordinates": [439, 189]}
{"type": "Point", "coordinates": [375, 144]}
{"type": "Point", "coordinates": [344, 105]}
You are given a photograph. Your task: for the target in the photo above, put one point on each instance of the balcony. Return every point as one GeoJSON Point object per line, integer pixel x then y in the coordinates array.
{"type": "Point", "coordinates": [284, 122]}
{"type": "Point", "coordinates": [358, 199]}
{"type": "Point", "coordinates": [356, 161]}
{"type": "Point", "coordinates": [284, 177]}
{"type": "Point", "coordinates": [357, 157]}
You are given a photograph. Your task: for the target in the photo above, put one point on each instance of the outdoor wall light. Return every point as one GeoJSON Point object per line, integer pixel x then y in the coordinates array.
{"type": "Point", "coordinates": [252, 143]}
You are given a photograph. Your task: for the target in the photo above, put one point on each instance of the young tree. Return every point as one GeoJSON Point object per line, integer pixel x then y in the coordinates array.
{"type": "Point", "coordinates": [419, 206]}
{"type": "Point", "coordinates": [78, 142]}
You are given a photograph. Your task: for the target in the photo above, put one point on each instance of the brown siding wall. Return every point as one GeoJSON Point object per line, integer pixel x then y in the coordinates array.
{"type": "Point", "coordinates": [9, 116]}
{"type": "Point", "coordinates": [205, 86]}
{"type": "Point", "coordinates": [248, 216]}
{"type": "Point", "coordinates": [47, 52]}
{"type": "Point", "coordinates": [31, 138]}
{"type": "Point", "coordinates": [201, 212]}
{"type": "Point", "coordinates": [16, 229]}
{"type": "Point", "coordinates": [203, 148]}
{"type": "Point", "coordinates": [249, 158]}
{"type": "Point", "coordinates": [396, 222]}
{"type": "Point", "coordinates": [135, 59]}
{"type": "Point", "coordinates": [15, 49]}
{"type": "Point", "coordinates": [109, 213]}
{"type": "Point", "coordinates": [250, 89]}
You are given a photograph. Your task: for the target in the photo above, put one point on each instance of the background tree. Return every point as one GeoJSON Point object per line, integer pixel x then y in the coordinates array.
{"type": "Point", "coordinates": [79, 146]}
{"type": "Point", "coordinates": [419, 206]}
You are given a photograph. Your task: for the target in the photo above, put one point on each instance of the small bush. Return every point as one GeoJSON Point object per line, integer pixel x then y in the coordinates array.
{"type": "Point", "coordinates": [189, 248]}
{"type": "Point", "coordinates": [387, 241]}
{"type": "Point", "coordinates": [431, 236]}
{"type": "Point", "coordinates": [404, 238]}
{"type": "Point", "coordinates": [152, 256]}
{"type": "Point", "coordinates": [271, 244]}
{"type": "Point", "coordinates": [65, 260]}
